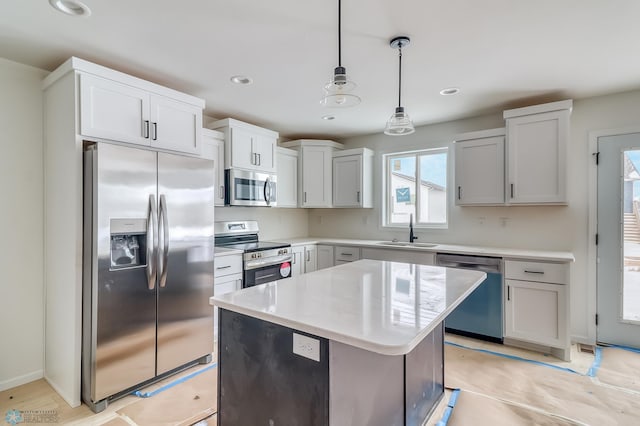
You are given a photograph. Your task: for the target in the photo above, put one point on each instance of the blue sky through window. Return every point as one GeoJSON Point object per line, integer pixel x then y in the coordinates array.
{"type": "Point", "coordinates": [433, 167]}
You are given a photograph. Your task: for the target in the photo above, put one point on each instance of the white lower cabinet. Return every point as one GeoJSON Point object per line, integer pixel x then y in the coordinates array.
{"type": "Point", "coordinates": [227, 278]}
{"type": "Point", "coordinates": [310, 258]}
{"type": "Point", "coordinates": [324, 256]}
{"type": "Point", "coordinates": [537, 305]}
{"type": "Point", "coordinates": [346, 254]}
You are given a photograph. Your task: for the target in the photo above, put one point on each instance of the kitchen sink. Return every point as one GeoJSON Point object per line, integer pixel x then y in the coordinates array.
{"type": "Point", "coordinates": [406, 244]}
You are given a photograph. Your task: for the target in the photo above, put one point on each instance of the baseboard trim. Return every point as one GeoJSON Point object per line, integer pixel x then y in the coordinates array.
{"type": "Point", "coordinates": [21, 380]}
{"type": "Point", "coordinates": [73, 402]}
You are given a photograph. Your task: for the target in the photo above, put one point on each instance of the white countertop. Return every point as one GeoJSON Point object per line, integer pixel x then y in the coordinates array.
{"type": "Point", "coordinates": [506, 253]}
{"type": "Point", "coordinates": [379, 306]}
{"type": "Point", "coordinates": [223, 251]}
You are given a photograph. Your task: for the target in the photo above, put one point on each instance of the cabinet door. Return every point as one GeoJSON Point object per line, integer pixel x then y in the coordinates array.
{"type": "Point", "coordinates": [535, 312]}
{"type": "Point", "coordinates": [114, 111]}
{"type": "Point", "coordinates": [297, 264]}
{"type": "Point", "coordinates": [316, 177]}
{"type": "Point", "coordinates": [347, 181]}
{"type": "Point", "coordinates": [241, 149]}
{"type": "Point", "coordinates": [537, 151]}
{"type": "Point", "coordinates": [213, 149]}
{"type": "Point", "coordinates": [175, 125]}
{"type": "Point", "coordinates": [223, 285]}
{"type": "Point", "coordinates": [479, 171]}
{"type": "Point", "coordinates": [287, 188]}
{"type": "Point", "coordinates": [264, 147]}
{"type": "Point", "coordinates": [325, 257]}
{"type": "Point", "coordinates": [310, 258]}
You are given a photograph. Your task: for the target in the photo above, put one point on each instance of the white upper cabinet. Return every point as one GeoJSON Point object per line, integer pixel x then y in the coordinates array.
{"type": "Point", "coordinates": [536, 150]}
{"type": "Point", "coordinates": [247, 146]}
{"type": "Point", "coordinates": [287, 187]}
{"type": "Point", "coordinates": [353, 178]}
{"type": "Point", "coordinates": [213, 149]}
{"type": "Point", "coordinates": [315, 171]}
{"type": "Point", "coordinates": [175, 125]}
{"type": "Point", "coordinates": [479, 168]}
{"type": "Point", "coordinates": [119, 111]}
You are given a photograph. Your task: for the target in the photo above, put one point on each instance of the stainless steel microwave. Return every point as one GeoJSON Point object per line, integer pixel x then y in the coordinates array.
{"type": "Point", "coordinates": [247, 188]}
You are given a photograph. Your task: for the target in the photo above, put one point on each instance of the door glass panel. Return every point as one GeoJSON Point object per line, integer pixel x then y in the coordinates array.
{"type": "Point", "coordinates": [631, 235]}
{"type": "Point", "coordinates": [402, 188]}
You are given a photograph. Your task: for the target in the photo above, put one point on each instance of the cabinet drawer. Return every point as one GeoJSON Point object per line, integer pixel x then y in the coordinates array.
{"type": "Point", "coordinates": [536, 271]}
{"type": "Point", "coordinates": [225, 265]}
{"type": "Point", "coordinates": [347, 254]}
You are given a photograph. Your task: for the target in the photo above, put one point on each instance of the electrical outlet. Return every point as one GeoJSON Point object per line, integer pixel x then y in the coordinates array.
{"type": "Point", "coordinates": [307, 347]}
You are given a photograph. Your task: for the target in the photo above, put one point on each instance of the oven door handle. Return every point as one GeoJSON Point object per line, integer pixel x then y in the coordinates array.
{"type": "Point", "coordinates": [270, 261]}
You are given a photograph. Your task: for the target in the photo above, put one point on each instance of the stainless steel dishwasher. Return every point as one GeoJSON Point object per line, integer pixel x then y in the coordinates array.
{"type": "Point", "coordinates": [481, 314]}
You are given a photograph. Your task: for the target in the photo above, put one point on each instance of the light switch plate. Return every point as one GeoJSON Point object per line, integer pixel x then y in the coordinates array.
{"type": "Point", "coordinates": [307, 347]}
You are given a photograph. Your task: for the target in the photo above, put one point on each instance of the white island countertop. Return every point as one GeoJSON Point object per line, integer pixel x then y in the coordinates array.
{"type": "Point", "coordinates": [379, 306]}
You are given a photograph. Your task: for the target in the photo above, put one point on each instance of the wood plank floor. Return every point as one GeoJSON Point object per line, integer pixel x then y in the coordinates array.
{"type": "Point", "coordinates": [194, 400]}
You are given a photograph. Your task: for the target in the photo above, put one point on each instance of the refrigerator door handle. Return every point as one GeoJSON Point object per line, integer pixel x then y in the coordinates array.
{"type": "Point", "coordinates": [165, 240]}
{"type": "Point", "coordinates": [152, 243]}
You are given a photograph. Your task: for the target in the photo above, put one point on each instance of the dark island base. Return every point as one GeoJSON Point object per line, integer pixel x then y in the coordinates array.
{"type": "Point", "coordinates": [262, 382]}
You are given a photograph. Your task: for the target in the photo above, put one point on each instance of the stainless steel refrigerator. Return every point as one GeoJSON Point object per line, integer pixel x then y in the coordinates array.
{"type": "Point", "coordinates": [148, 268]}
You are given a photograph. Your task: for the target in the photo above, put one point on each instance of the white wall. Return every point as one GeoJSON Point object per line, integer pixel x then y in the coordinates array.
{"type": "Point", "coordinates": [536, 227]}
{"type": "Point", "coordinates": [21, 224]}
{"type": "Point", "coordinates": [275, 223]}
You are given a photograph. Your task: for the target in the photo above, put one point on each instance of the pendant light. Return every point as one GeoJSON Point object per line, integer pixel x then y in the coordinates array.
{"type": "Point", "coordinates": [399, 124]}
{"type": "Point", "coordinates": [337, 89]}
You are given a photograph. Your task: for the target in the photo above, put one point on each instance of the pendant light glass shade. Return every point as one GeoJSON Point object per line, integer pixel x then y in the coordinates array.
{"type": "Point", "coordinates": [337, 89]}
{"type": "Point", "coordinates": [399, 124]}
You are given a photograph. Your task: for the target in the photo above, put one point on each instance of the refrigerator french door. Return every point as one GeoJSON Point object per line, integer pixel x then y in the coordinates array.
{"type": "Point", "coordinates": [148, 267]}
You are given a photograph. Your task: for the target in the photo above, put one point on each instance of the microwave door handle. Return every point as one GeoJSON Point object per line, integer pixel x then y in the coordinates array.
{"type": "Point", "coordinates": [152, 243]}
{"type": "Point", "coordinates": [165, 240]}
{"type": "Point", "coordinates": [267, 191]}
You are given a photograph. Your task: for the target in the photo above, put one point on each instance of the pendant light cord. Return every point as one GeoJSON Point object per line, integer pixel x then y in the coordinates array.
{"type": "Point", "coordinates": [399, 73]}
{"type": "Point", "coordinates": [339, 33]}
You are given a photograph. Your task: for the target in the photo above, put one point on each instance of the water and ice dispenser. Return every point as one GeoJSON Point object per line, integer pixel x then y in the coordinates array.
{"type": "Point", "coordinates": [128, 243]}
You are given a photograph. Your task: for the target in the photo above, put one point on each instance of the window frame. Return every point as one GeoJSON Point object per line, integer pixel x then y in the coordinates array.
{"type": "Point", "coordinates": [386, 199]}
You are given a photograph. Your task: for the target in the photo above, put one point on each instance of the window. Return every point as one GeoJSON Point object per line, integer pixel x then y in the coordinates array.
{"type": "Point", "coordinates": [416, 184]}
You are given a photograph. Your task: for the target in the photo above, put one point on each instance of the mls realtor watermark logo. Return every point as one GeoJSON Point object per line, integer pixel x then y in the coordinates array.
{"type": "Point", "coordinates": [14, 417]}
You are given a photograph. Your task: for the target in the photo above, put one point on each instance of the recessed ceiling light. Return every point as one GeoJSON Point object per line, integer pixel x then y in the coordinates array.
{"type": "Point", "coordinates": [241, 79]}
{"type": "Point", "coordinates": [450, 91]}
{"type": "Point", "coordinates": [328, 117]}
{"type": "Point", "coordinates": [71, 7]}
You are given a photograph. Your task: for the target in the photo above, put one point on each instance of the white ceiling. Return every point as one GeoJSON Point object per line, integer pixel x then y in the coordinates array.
{"type": "Point", "coordinates": [501, 53]}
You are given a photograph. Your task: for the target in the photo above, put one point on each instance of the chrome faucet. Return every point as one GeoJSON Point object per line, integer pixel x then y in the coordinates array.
{"type": "Point", "coordinates": [411, 237]}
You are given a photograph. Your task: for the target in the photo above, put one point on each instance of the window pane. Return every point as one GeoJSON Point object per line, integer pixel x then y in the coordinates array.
{"type": "Point", "coordinates": [433, 188]}
{"type": "Point", "coordinates": [402, 188]}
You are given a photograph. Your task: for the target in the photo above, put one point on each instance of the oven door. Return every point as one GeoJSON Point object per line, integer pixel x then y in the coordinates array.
{"type": "Point", "coordinates": [246, 188]}
{"type": "Point", "coordinates": [265, 273]}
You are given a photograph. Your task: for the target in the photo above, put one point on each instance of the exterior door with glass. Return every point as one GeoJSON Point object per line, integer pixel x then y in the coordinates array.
{"type": "Point", "coordinates": [618, 250]}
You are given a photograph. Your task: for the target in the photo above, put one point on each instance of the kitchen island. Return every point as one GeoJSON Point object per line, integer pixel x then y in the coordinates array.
{"type": "Point", "coordinates": [356, 344]}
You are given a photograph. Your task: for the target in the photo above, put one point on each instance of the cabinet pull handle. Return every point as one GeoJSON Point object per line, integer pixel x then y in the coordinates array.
{"type": "Point", "coordinates": [253, 158]}
{"type": "Point", "coordinates": [508, 292]}
{"type": "Point", "coordinates": [305, 197]}
{"type": "Point", "coordinates": [224, 267]}
{"type": "Point", "coordinates": [534, 272]}
{"type": "Point", "coordinates": [512, 190]}
{"type": "Point", "coordinates": [358, 196]}
{"type": "Point", "coordinates": [459, 192]}
{"type": "Point", "coordinates": [346, 254]}
{"type": "Point", "coordinates": [259, 159]}
{"type": "Point", "coordinates": [308, 256]}
{"type": "Point", "coordinates": [154, 131]}
{"type": "Point", "coordinates": [145, 129]}
{"type": "Point", "coordinates": [295, 257]}
{"type": "Point", "coordinates": [221, 191]}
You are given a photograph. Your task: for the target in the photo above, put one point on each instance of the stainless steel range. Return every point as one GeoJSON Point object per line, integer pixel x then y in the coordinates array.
{"type": "Point", "coordinates": [262, 261]}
